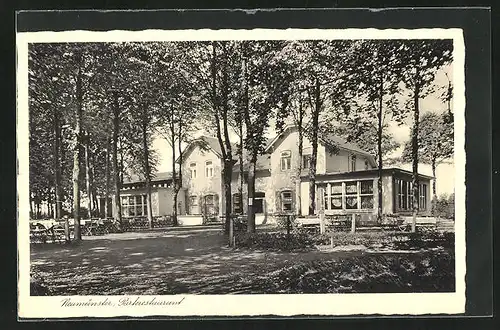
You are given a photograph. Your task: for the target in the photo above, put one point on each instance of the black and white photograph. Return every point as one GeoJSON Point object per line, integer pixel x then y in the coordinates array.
{"type": "Point", "coordinates": [228, 172]}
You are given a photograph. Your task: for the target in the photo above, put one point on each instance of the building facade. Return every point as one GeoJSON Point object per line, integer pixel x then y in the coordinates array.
{"type": "Point", "coordinates": [346, 183]}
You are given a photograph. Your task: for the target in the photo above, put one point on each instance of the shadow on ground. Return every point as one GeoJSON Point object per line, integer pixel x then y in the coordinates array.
{"type": "Point", "coordinates": [154, 263]}
{"type": "Point", "coordinates": [168, 262]}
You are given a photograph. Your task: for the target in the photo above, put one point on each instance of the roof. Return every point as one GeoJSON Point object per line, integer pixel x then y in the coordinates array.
{"type": "Point", "coordinates": [263, 163]}
{"type": "Point", "coordinates": [160, 176]}
{"type": "Point", "coordinates": [206, 142]}
{"type": "Point", "coordinates": [372, 172]}
{"type": "Point", "coordinates": [329, 140]}
{"type": "Point", "coordinates": [336, 141]}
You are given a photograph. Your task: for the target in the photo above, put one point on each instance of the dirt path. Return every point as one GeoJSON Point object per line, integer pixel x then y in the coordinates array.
{"type": "Point", "coordinates": [160, 262]}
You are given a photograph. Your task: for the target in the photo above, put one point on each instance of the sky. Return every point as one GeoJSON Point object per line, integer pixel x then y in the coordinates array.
{"type": "Point", "coordinates": [445, 172]}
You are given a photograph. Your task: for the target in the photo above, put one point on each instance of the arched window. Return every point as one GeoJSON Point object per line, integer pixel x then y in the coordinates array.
{"type": "Point", "coordinates": [211, 204]}
{"type": "Point", "coordinates": [193, 205]}
{"type": "Point", "coordinates": [353, 163]}
{"type": "Point", "coordinates": [286, 160]}
{"type": "Point", "coordinates": [192, 169]}
{"type": "Point", "coordinates": [209, 169]}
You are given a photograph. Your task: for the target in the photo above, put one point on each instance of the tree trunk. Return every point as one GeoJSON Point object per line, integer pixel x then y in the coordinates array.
{"type": "Point", "coordinates": [241, 166]}
{"type": "Point", "coordinates": [76, 151]}
{"type": "Point", "coordinates": [298, 206]}
{"type": "Point", "coordinates": [117, 212]}
{"type": "Point", "coordinates": [379, 148]}
{"type": "Point", "coordinates": [32, 214]}
{"type": "Point", "coordinates": [251, 195]}
{"type": "Point", "coordinates": [57, 165]}
{"type": "Point", "coordinates": [87, 177]}
{"type": "Point", "coordinates": [312, 168]}
{"type": "Point", "coordinates": [147, 169]}
{"type": "Point", "coordinates": [434, 183]}
{"type": "Point", "coordinates": [174, 172]}
{"type": "Point", "coordinates": [180, 167]}
{"type": "Point", "coordinates": [107, 175]}
{"type": "Point", "coordinates": [227, 170]}
{"type": "Point", "coordinates": [414, 151]}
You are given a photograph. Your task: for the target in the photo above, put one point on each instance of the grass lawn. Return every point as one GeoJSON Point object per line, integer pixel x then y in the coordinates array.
{"type": "Point", "coordinates": [198, 262]}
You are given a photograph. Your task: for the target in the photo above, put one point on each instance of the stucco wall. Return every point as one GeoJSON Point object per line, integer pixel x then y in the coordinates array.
{"type": "Point", "coordinates": [263, 183]}
{"type": "Point", "coordinates": [340, 162]}
{"type": "Point", "coordinates": [201, 185]}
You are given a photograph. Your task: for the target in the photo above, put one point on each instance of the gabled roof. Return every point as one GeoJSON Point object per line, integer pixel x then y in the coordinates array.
{"type": "Point", "coordinates": [135, 178]}
{"type": "Point", "coordinates": [336, 141]}
{"type": "Point", "coordinates": [205, 142]}
{"type": "Point", "coordinates": [329, 140]}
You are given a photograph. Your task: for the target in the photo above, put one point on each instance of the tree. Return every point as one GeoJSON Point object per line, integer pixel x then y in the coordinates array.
{"type": "Point", "coordinates": [422, 59]}
{"type": "Point", "coordinates": [325, 79]}
{"type": "Point", "coordinates": [210, 66]}
{"type": "Point", "coordinates": [261, 91]}
{"type": "Point", "coordinates": [374, 71]}
{"type": "Point", "coordinates": [435, 142]}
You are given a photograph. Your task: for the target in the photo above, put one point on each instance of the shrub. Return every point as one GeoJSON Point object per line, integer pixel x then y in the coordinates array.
{"type": "Point", "coordinates": [444, 206]}
{"type": "Point", "coordinates": [365, 274]}
{"type": "Point", "coordinates": [287, 222]}
{"type": "Point", "coordinates": [275, 241]}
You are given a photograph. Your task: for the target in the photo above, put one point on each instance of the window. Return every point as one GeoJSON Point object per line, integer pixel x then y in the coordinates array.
{"type": "Point", "coordinates": [237, 207]}
{"type": "Point", "coordinates": [404, 194]}
{"type": "Point", "coordinates": [422, 200]}
{"type": "Point", "coordinates": [193, 205]}
{"type": "Point", "coordinates": [209, 169]}
{"type": "Point", "coordinates": [353, 163]}
{"type": "Point", "coordinates": [350, 195]}
{"type": "Point", "coordinates": [286, 161]}
{"type": "Point", "coordinates": [333, 201]}
{"type": "Point", "coordinates": [210, 204]}
{"type": "Point", "coordinates": [258, 202]}
{"type": "Point", "coordinates": [306, 162]}
{"type": "Point", "coordinates": [366, 194]}
{"type": "Point", "coordinates": [192, 169]}
{"type": "Point", "coordinates": [134, 206]}
{"type": "Point", "coordinates": [286, 201]}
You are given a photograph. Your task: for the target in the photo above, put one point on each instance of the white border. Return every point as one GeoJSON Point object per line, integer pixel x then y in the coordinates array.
{"type": "Point", "coordinates": [238, 305]}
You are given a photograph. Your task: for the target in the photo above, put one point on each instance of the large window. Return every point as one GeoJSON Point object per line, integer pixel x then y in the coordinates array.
{"type": "Point", "coordinates": [349, 195]}
{"type": "Point", "coordinates": [333, 196]}
{"type": "Point", "coordinates": [366, 194]}
{"type": "Point", "coordinates": [134, 206]}
{"type": "Point", "coordinates": [193, 205]}
{"type": "Point", "coordinates": [422, 202]}
{"type": "Point", "coordinates": [286, 160]}
{"type": "Point", "coordinates": [192, 170]}
{"type": "Point", "coordinates": [404, 195]}
{"type": "Point", "coordinates": [286, 201]}
{"type": "Point", "coordinates": [209, 169]}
